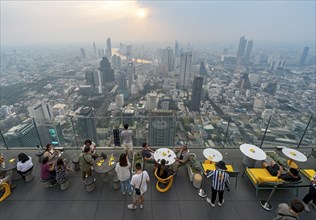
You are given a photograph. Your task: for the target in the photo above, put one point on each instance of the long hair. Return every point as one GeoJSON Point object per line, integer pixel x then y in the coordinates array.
{"type": "Point", "coordinates": [123, 160]}
{"type": "Point", "coordinates": [47, 146]}
{"type": "Point", "coordinates": [162, 167]}
{"type": "Point", "coordinates": [60, 163]}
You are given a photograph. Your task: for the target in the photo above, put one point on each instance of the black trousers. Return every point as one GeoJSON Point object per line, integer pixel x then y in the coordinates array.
{"type": "Point", "coordinates": [214, 194]}
{"type": "Point", "coordinates": [311, 195]}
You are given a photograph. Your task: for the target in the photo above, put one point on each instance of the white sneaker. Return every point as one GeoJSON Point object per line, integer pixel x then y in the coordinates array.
{"type": "Point", "coordinates": [141, 206]}
{"type": "Point", "coordinates": [130, 206]}
{"type": "Point", "coordinates": [210, 202]}
{"type": "Point", "coordinates": [313, 205]}
{"type": "Point", "coordinates": [220, 204]}
{"type": "Point", "coordinates": [130, 193]}
{"type": "Point", "coordinates": [306, 207]}
{"type": "Point", "coordinates": [124, 193]}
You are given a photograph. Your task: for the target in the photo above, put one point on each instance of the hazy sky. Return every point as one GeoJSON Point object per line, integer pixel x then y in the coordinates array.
{"type": "Point", "coordinates": [33, 22]}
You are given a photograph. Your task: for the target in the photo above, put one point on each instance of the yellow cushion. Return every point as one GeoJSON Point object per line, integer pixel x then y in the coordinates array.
{"type": "Point", "coordinates": [309, 173]}
{"type": "Point", "coordinates": [261, 175]}
{"type": "Point", "coordinates": [292, 164]}
{"type": "Point", "coordinates": [212, 167]}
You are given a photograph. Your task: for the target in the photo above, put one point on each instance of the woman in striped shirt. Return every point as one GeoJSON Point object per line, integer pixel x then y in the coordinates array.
{"type": "Point", "coordinates": [220, 179]}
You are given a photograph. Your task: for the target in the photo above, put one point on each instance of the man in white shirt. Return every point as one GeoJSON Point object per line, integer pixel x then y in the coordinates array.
{"type": "Point", "coordinates": [127, 141]}
{"type": "Point", "coordinates": [139, 182]}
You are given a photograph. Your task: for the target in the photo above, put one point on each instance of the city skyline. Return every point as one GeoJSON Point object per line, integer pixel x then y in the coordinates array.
{"type": "Point", "coordinates": [283, 22]}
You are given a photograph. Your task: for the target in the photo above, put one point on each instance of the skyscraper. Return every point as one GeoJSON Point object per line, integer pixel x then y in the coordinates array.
{"type": "Point", "coordinates": [107, 73]}
{"type": "Point", "coordinates": [82, 53]}
{"type": "Point", "coordinates": [130, 73]}
{"type": "Point", "coordinates": [241, 50]}
{"type": "Point", "coordinates": [185, 69]}
{"type": "Point", "coordinates": [203, 71]}
{"type": "Point", "coordinates": [122, 81]}
{"type": "Point", "coordinates": [94, 50]}
{"type": "Point", "coordinates": [303, 57]}
{"type": "Point", "coordinates": [41, 112]}
{"type": "Point", "coordinates": [196, 93]}
{"type": "Point", "coordinates": [86, 124]}
{"type": "Point", "coordinates": [248, 52]}
{"type": "Point", "coordinates": [167, 62]}
{"type": "Point", "coordinates": [108, 49]}
{"type": "Point", "coordinates": [176, 49]}
{"type": "Point", "coordinates": [162, 126]}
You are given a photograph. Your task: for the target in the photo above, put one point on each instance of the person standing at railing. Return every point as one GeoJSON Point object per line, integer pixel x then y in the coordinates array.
{"type": "Point", "coordinates": [86, 162]}
{"type": "Point", "coordinates": [310, 197]}
{"type": "Point", "coordinates": [93, 149]}
{"type": "Point", "coordinates": [127, 141]}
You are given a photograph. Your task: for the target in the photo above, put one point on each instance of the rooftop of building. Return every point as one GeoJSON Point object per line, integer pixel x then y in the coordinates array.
{"type": "Point", "coordinates": [32, 201]}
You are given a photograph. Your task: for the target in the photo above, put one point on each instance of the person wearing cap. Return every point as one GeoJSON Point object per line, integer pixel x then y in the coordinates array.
{"type": "Point", "coordinates": [285, 212]}
{"type": "Point", "coordinates": [276, 170]}
{"type": "Point", "coordinates": [220, 179]}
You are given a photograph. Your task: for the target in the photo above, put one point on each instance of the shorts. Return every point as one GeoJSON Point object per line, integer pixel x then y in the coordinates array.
{"type": "Point", "coordinates": [128, 146]}
{"type": "Point", "coordinates": [273, 170]}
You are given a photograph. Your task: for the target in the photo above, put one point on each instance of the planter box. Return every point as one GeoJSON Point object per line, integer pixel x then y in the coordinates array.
{"type": "Point", "coordinates": [190, 171]}
{"type": "Point", "coordinates": [137, 157]}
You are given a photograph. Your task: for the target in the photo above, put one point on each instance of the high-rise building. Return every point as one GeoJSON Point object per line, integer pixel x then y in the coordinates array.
{"type": "Point", "coordinates": [130, 73]}
{"type": "Point", "coordinates": [241, 50]}
{"type": "Point", "coordinates": [162, 126]}
{"type": "Point", "coordinates": [245, 82]}
{"type": "Point", "coordinates": [59, 110]}
{"type": "Point", "coordinates": [82, 53]}
{"type": "Point", "coordinates": [118, 63]}
{"type": "Point", "coordinates": [107, 73]}
{"type": "Point", "coordinates": [86, 124]}
{"type": "Point", "coordinates": [22, 135]}
{"type": "Point", "coordinates": [41, 112]}
{"type": "Point", "coordinates": [122, 81]}
{"type": "Point", "coordinates": [303, 57]}
{"type": "Point", "coordinates": [248, 52]}
{"type": "Point", "coordinates": [167, 61]}
{"type": "Point", "coordinates": [196, 93]}
{"type": "Point", "coordinates": [203, 71]}
{"type": "Point", "coordinates": [176, 49]}
{"type": "Point", "coordinates": [119, 100]}
{"type": "Point", "coordinates": [185, 70]}
{"type": "Point", "coordinates": [152, 101]}
{"type": "Point", "coordinates": [108, 49]}
{"type": "Point", "coordinates": [94, 50]}
{"type": "Point", "coordinates": [128, 117]}
{"type": "Point", "coordinates": [128, 52]}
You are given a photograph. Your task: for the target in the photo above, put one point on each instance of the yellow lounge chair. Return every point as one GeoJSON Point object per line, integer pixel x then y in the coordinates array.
{"type": "Point", "coordinates": [262, 179]}
{"type": "Point", "coordinates": [7, 190]}
{"type": "Point", "coordinates": [309, 173]}
{"type": "Point", "coordinates": [168, 182]}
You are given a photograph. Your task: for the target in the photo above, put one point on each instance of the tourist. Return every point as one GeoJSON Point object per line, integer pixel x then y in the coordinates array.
{"type": "Point", "coordinates": [127, 141]}
{"type": "Point", "coordinates": [310, 197]}
{"type": "Point", "coordinates": [124, 174]}
{"type": "Point", "coordinates": [24, 164]}
{"type": "Point", "coordinates": [285, 212]}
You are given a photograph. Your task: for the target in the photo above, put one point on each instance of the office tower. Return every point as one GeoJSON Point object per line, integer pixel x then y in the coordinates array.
{"type": "Point", "coordinates": [152, 101]}
{"type": "Point", "coordinates": [128, 52]}
{"type": "Point", "coordinates": [116, 137]}
{"type": "Point", "coordinates": [203, 71]}
{"type": "Point", "coordinates": [114, 61]}
{"type": "Point", "coordinates": [128, 117]}
{"type": "Point", "coordinates": [303, 57]}
{"type": "Point", "coordinates": [245, 82]}
{"type": "Point", "coordinates": [94, 50]}
{"type": "Point", "coordinates": [130, 73]}
{"type": "Point", "coordinates": [107, 73]}
{"type": "Point", "coordinates": [101, 53]}
{"type": "Point", "coordinates": [86, 124]}
{"type": "Point", "coordinates": [118, 63]}
{"type": "Point", "coordinates": [185, 70]}
{"type": "Point", "coordinates": [122, 81]}
{"type": "Point", "coordinates": [271, 88]}
{"type": "Point", "coordinates": [248, 52]}
{"type": "Point", "coordinates": [41, 112]}
{"type": "Point", "coordinates": [119, 100]}
{"type": "Point", "coordinates": [108, 49]}
{"type": "Point", "coordinates": [176, 49]}
{"type": "Point", "coordinates": [82, 54]}
{"type": "Point", "coordinates": [167, 61]}
{"type": "Point", "coordinates": [162, 126]}
{"type": "Point", "coordinates": [22, 135]}
{"type": "Point", "coordinates": [241, 50]}
{"type": "Point", "coordinates": [196, 93]}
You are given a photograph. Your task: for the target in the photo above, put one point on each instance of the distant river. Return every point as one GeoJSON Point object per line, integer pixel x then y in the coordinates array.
{"type": "Point", "coordinates": [137, 60]}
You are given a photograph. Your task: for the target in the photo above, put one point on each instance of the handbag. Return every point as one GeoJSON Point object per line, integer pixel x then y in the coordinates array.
{"type": "Point", "coordinates": [137, 190]}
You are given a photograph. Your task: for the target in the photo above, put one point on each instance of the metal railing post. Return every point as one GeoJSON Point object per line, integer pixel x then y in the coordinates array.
{"type": "Point", "coordinates": [310, 119]}
{"type": "Point", "coordinates": [226, 132]}
{"type": "Point", "coordinates": [265, 132]}
{"type": "Point", "coordinates": [5, 144]}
